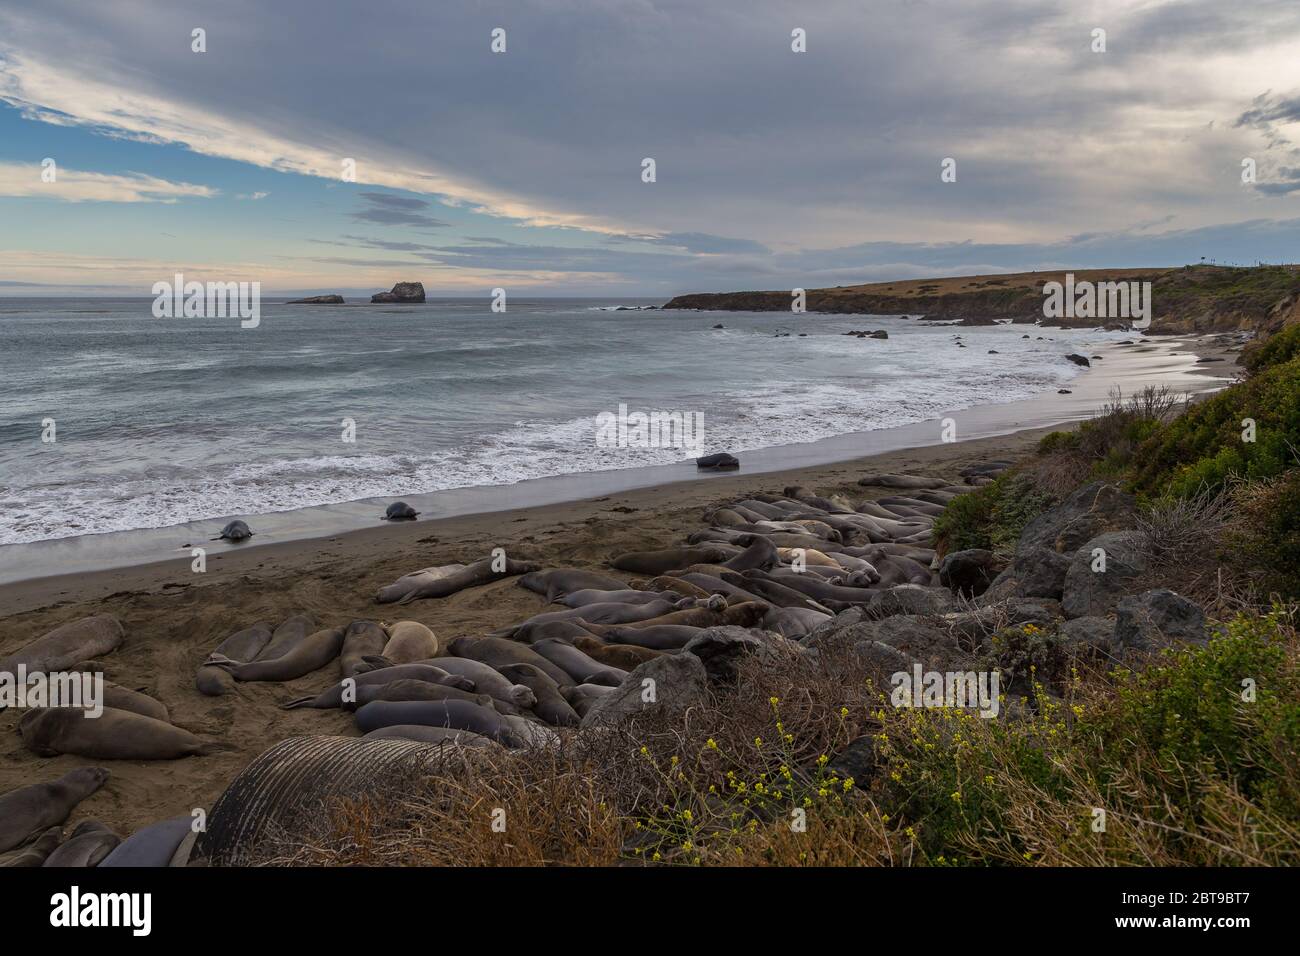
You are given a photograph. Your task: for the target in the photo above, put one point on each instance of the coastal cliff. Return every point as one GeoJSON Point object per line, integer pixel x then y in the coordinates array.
{"type": "Point", "coordinates": [1183, 300]}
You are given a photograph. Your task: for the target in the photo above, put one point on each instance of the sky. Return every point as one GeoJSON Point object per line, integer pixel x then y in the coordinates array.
{"type": "Point", "coordinates": [318, 146]}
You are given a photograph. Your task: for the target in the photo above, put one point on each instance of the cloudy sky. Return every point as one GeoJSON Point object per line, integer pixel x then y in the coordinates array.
{"type": "Point", "coordinates": [523, 169]}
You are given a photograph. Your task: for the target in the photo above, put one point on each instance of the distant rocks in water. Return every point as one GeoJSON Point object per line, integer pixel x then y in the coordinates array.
{"type": "Point", "coordinates": [400, 511]}
{"type": "Point", "coordinates": [636, 308]}
{"type": "Point", "coordinates": [719, 326]}
{"type": "Point", "coordinates": [1079, 359]}
{"type": "Point", "coordinates": [402, 292]}
{"type": "Point", "coordinates": [868, 334]}
{"type": "Point", "coordinates": [235, 531]}
{"type": "Point", "coordinates": [719, 462]}
{"type": "Point", "coordinates": [318, 300]}
{"type": "Point", "coordinates": [1206, 360]}
{"type": "Point", "coordinates": [994, 352]}
{"type": "Point", "coordinates": [1064, 391]}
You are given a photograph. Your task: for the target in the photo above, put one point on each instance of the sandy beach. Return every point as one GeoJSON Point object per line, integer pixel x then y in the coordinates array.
{"type": "Point", "coordinates": [173, 617]}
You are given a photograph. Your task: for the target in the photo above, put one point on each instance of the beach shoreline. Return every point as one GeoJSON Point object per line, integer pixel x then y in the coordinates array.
{"type": "Point", "coordinates": [1178, 361]}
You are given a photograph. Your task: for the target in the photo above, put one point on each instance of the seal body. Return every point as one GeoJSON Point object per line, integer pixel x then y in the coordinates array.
{"type": "Point", "coordinates": [400, 511]}
{"type": "Point", "coordinates": [114, 735]}
{"type": "Point", "coordinates": [39, 806]}
{"type": "Point", "coordinates": [235, 531]}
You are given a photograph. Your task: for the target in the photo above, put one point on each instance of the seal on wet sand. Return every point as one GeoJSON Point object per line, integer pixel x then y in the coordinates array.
{"type": "Point", "coordinates": [400, 511]}
{"type": "Point", "coordinates": [235, 531]}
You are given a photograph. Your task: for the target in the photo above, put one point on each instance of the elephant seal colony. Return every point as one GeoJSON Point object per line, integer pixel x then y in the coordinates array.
{"type": "Point", "coordinates": [763, 568]}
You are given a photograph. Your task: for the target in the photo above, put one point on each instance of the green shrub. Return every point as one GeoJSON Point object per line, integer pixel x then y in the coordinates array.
{"type": "Point", "coordinates": [1204, 447]}
{"type": "Point", "coordinates": [1279, 348]}
{"type": "Point", "coordinates": [1267, 541]}
{"type": "Point", "coordinates": [991, 517]}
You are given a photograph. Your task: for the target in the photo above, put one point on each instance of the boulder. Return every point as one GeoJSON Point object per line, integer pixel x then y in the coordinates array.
{"type": "Point", "coordinates": [721, 649]}
{"type": "Point", "coordinates": [680, 682]}
{"type": "Point", "coordinates": [889, 659]}
{"type": "Point", "coordinates": [1041, 572]}
{"type": "Point", "coordinates": [916, 637]}
{"type": "Point", "coordinates": [319, 300]}
{"type": "Point", "coordinates": [1089, 593]}
{"type": "Point", "coordinates": [858, 762]}
{"type": "Point", "coordinates": [969, 573]}
{"type": "Point", "coordinates": [1086, 513]}
{"type": "Point", "coordinates": [402, 292]}
{"type": "Point", "coordinates": [1079, 359]}
{"type": "Point", "coordinates": [1087, 634]}
{"type": "Point", "coordinates": [1158, 618]}
{"type": "Point", "coordinates": [910, 599]}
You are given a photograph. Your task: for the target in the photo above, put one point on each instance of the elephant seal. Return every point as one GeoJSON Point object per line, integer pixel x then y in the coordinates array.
{"type": "Point", "coordinates": [361, 639]}
{"type": "Point", "coordinates": [244, 645]}
{"type": "Point", "coordinates": [40, 806]}
{"type": "Point", "coordinates": [498, 652]}
{"type": "Point", "coordinates": [292, 632]}
{"type": "Point", "coordinates": [410, 641]}
{"type": "Point", "coordinates": [235, 531]}
{"type": "Point", "coordinates": [114, 735]}
{"type": "Point", "coordinates": [310, 655]}
{"type": "Point", "coordinates": [67, 644]}
{"type": "Point", "coordinates": [533, 733]}
{"type": "Point", "coordinates": [762, 553]}
{"type": "Point", "coordinates": [153, 846]}
{"type": "Point", "coordinates": [550, 706]}
{"type": "Point", "coordinates": [627, 657]}
{"type": "Point", "coordinates": [583, 669]}
{"type": "Point", "coordinates": [89, 843]}
{"type": "Point", "coordinates": [408, 689]}
{"type": "Point", "coordinates": [472, 575]}
{"type": "Point", "coordinates": [597, 596]}
{"type": "Point", "coordinates": [120, 698]}
{"type": "Point", "coordinates": [427, 673]}
{"type": "Point", "coordinates": [677, 586]}
{"type": "Point", "coordinates": [718, 462]}
{"type": "Point", "coordinates": [542, 630]}
{"type": "Point", "coordinates": [455, 714]}
{"type": "Point", "coordinates": [432, 735]}
{"type": "Point", "coordinates": [582, 696]}
{"type": "Point", "coordinates": [663, 637]}
{"type": "Point", "coordinates": [37, 852]}
{"type": "Point", "coordinates": [605, 613]}
{"type": "Point", "coordinates": [400, 511]}
{"type": "Point", "coordinates": [654, 563]}
{"type": "Point", "coordinates": [416, 581]}
{"type": "Point", "coordinates": [488, 680]}
{"type": "Point", "coordinates": [560, 581]}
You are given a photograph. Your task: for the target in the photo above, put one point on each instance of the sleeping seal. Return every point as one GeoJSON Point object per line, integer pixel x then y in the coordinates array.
{"type": "Point", "coordinates": [487, 680]}
{"type": "Point", "coordinates": [154, 845]}
{"type": "Point", "coordinates": [90, 842]}
{"type": "Point", "coordinates": [560, 581]}
{"type": "Point", "coordinates": [361, 639]}
{"type": "Point", "coordinates": [40, 806]}
{"type": "Point", "coordinates": [410, 641]}
{"type": "Point", "coordinates": [309, 655]}
{"type": "Point", "coordinates": [412, 587]}
{"type": "Point", "coordinates": [332, 697]}
{"type": "Point", "coordinates": [292, 632]}
{"type": "Point", "coordinates": [37, 852]}
{"type": "Point", "coordinates": [114, 735]}
{"type": "Point", "coordinates": [67, 644]}
{"type": "Point", "coordinates": [670, 559]}
{"type": "Point", "coordinates": [235, 531]}
{"type": "Point", "coordinates": [627, 657]}
{"type": "Point", "coordinates": [241, 646]}
{"type": "Point", "coordinates": [551, 705]}
{"type": "Point", "coordinates": [455, 714]}
{"type": "Point", "coordinates": [498, 652]}
{"type": "Point", "coordinates": [400, 511]}
{"type": "Point", "coordinates": [583, 669]}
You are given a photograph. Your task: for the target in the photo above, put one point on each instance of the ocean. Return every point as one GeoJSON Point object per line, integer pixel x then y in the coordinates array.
{"type": "Point", "coordinates": [159, 422]}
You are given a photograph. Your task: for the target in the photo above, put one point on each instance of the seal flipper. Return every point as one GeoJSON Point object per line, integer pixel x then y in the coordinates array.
{"type": "Point", "coordinates": [374, 662]}
{"type": "Point", "coordinates": [297, 702]}
{"type": "Point", "coordinates": [210, 747]}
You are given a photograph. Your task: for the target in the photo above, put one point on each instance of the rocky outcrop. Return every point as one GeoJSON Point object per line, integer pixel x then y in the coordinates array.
{"type": "Point", "coordinates": [1089, 590]}
{"type": "Point", "coordinates": [318, 300]}
{"type": "Point", "coordinates": [666, 683]}
{"type": "Point", "coordinates": [402, 292]}
{"type": "Point", "coordinates": [1157, 618]}
{"type": "Point", "coordinates": [969, 573]}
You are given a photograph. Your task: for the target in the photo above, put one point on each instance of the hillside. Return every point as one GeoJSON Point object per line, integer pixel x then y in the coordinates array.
{"type": "Point", "coordinates": [1187, 299]}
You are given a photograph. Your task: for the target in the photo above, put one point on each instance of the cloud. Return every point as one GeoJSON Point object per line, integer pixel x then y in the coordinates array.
{"type": "Point", "coordinates": [252, 196]}
{"type": "Point", "coordinates": [386, 209]}
{"type": "Point", "coordinates": [24, 181]}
